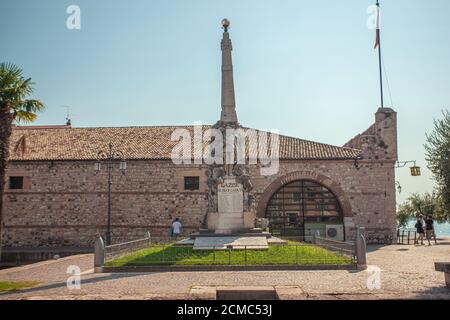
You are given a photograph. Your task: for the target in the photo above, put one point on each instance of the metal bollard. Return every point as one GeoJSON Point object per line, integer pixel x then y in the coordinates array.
{"type": "Point", "coordinates": [99, 255]}
{"type": "Point", "coordinates": [149, 236]}
{"type": "Point", "coordinates": [361, 249]}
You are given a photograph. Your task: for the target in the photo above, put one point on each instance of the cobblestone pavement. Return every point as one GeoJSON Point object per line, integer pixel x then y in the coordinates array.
{"type": "Point", "coordinates": [407, 272]}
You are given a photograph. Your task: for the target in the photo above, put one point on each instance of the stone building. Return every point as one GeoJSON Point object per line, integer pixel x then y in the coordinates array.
{"type": "Point", "coordinates": [55, 198]}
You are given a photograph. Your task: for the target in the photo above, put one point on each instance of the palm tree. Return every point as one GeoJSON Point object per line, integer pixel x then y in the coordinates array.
{"type": "Point", "coordinates": [14, 106]}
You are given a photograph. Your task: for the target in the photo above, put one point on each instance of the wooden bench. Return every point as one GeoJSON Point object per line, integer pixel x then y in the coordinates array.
{"type": "Point", "coordinates": [444, 267]}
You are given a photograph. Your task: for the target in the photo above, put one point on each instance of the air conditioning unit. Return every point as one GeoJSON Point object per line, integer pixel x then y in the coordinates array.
{"type": "Point", "coordinates": [335, 232]}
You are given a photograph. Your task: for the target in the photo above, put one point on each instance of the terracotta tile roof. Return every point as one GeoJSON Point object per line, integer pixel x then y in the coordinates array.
{"type": "Point", "coordinates": [65, 143]}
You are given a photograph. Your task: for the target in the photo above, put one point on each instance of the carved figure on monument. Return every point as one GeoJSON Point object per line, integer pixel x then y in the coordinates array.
{"type": "Point", "coordinates": [242, 175]}
{"type": "Point", "coordinates": [215, 176]}
{"type": "Point", "coordinates": [240, 171]}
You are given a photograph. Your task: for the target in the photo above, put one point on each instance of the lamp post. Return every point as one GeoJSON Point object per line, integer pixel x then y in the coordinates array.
{"type": "Point", "coordinates": [110, 157]}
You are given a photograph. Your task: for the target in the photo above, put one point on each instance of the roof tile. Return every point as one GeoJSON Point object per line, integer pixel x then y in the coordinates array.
{"type": "Point", "coordinates": [151, 143]}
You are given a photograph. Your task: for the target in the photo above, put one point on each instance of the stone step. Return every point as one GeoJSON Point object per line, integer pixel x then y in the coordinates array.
{"type": "Point", "coordinates": [230, 227]}
{"type": "Point", "coordinates": [237, 232]}
{"type": "Point", "coordinates": [222, 243]}
{"type": "Point", "coordinates": [221, 232]}
{"type": "Point", "coordinates": [255, 230]}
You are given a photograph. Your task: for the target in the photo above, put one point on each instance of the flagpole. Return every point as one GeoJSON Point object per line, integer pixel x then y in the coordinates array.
{"type": "Point", "coordinates": [379, 54]}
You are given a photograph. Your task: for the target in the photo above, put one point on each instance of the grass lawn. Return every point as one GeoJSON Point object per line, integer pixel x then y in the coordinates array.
{"type": "Point", "coordinates": [16, 285]}
{"type": "Point", "coordinates": [294, 253]}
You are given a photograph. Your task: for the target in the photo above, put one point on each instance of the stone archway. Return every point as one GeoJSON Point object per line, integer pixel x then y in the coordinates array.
{"type": "Point", "coordinates": [333, 186]}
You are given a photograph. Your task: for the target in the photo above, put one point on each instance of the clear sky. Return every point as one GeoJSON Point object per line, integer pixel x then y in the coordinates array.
{"type": "Point", "coordinates": [306, 68]}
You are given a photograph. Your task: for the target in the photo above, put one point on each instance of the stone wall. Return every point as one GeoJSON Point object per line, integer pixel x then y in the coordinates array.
{"type": "Point", "coordinates": [379, 141]}
{"type": "Point", "coordinates": [65, 203]}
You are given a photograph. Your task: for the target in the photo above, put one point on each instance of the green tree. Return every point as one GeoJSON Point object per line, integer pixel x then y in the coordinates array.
{"type": "Point", "coordinates": [418, 204]}
{"type": "Point", "coordinates": [14, 106]}
{"type": "Point", "coordinates": [403, 216]}
{"type": "Point", "coordinates": [438, 157]}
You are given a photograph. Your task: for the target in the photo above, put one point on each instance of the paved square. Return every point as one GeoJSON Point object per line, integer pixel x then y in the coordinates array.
{"type": "Point", "coordinates": [403, 276]}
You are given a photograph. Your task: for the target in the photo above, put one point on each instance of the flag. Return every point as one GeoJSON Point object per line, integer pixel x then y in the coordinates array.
{"type": "Point", "coordinates": [377, 39]}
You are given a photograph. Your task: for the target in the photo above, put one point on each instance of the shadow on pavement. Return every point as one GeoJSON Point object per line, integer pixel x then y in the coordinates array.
{"type": "Point", "coordinates": [64, 284]}
{"type": "Point", "coordinates": [435, 293]}
{"type": "Point", "coordinates": [374, 247]}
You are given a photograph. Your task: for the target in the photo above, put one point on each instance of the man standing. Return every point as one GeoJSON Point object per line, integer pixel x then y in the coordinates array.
{"type": "Point", "coordinates": [419, 227]}
{"type": "Point", "coordinates": [176, 228]}
{"type": "Point", "coordinates": [430, 229]}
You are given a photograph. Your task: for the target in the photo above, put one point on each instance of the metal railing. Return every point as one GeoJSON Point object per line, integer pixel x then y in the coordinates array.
{"type": "Point", "coordinates": [406, 234]}
{"type": "Point", "coordinates": [305, 238]}
{"type": "Point", "coordinates": [347, 248]}
{"type": "Point", "coordinates": [343, 248]}
{"type": "Point", "coordinates": [117, 250]}
{"type": "Point", "coordinates": [378, 236]}
{"type": "Point", "coordinates": [288, 254]}
{"type": "Point", "coordinates": [104, 253]}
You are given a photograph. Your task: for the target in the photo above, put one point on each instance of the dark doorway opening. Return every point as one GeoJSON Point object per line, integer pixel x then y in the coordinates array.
{"type": "Point", "coordinates": [300, 208]}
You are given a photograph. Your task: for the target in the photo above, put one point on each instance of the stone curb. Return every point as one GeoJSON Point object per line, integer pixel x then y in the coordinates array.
{"type": "Point", "coordinates": [247, 292]}
{"type": "Point", "coordinates": [143, 269]}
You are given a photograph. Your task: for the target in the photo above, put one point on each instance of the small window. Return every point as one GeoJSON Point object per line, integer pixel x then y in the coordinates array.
{"type": "Point", "coordinates": [15, 183]}
{"type": "Point", "coordinates": [191, 183]}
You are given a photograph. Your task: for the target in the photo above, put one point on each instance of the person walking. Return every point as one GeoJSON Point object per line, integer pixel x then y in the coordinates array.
{"type": "Point", "coordinates": [430, 232]}
{"type": "Point", "coordinates": [420, 230]}
{"type": "Point", "coordinates": [176, 228]}
{"type": "Point", "coordinates": [171, 229]}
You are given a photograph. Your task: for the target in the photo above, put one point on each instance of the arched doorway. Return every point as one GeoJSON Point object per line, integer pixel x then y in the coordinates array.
{"type": "Point", "coordinates": [301, 207]}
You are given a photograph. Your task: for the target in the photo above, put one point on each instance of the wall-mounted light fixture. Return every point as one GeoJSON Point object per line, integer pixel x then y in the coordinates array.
{"type": "Point", "coordinates": [399, 187]}
{"type": "Point", "coordinates": [415, 170]}
{"type": "Point", "coordinates": [356, 164]}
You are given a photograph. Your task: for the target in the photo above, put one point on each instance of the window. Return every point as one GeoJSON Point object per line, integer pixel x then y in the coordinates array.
{"type": "Point", "coordinates": [15, 183]}
{"type": "Point", "coordinates": [191, 183]}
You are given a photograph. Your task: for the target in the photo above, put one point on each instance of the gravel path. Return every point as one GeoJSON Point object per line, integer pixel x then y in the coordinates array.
{"type": "Point", "coordinates": [407, 272]}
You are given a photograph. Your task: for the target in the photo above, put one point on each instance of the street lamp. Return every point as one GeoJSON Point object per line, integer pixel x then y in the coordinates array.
{"type": "Point", "coordinates": [399, 187]}
{"type": "Point", "coordinates": [110, 157]}
{"type": "Point", "coordinates": [415, 170]}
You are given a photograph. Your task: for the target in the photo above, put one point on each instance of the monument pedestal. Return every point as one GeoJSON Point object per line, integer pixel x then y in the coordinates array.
{"type": "Point", "coordinates": [213, 219]}
{"type": "Point", "coordinates": [230, 226]}
{"type": "Point", "coordinates": [230, 222]}
{"type": "Point", "coordinates": [230, 216]}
